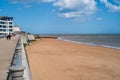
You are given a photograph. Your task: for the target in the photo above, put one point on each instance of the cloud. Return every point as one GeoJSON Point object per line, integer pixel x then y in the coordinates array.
{"type": "Point", "coordinates": [75, 8]}
{"type": "Point", "coordinates": [68, 8]}
{"type": "Point", "coordinates": [112, 7]}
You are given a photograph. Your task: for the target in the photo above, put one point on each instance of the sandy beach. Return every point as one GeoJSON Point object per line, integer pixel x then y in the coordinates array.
{"type": "Point", "coordinates": [52, 59]}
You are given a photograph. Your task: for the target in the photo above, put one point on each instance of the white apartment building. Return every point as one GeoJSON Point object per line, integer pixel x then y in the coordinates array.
{"type": "Point", "coordinates": [6, 25]}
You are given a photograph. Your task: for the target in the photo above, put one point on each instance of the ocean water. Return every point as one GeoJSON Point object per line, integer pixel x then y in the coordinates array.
{"type": "Point", "coordinates": [111, 41]}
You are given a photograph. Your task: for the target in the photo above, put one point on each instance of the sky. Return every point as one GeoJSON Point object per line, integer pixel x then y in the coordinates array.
{"type": "Point", "coordinates": [64, 16]}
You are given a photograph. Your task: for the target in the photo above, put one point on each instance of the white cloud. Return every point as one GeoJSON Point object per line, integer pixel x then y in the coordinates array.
{"type": "Point", "coordinates": [112, 7]}
{"type": "Point", "coordinates": [69, 8]}
{"type": "Point", "coordinates": [75, 8]}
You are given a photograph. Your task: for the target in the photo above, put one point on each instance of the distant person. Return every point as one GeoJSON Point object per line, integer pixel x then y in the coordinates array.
{"type": "Point", "coordinates": [8, 37]}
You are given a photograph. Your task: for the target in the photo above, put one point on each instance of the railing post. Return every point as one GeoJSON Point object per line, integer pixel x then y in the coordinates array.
{"type": "Point", "coordinates": [17, 72]}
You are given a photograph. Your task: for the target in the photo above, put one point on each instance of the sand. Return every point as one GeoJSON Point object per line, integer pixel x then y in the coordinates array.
{"type": "Point", "coordinates": [52, 59]}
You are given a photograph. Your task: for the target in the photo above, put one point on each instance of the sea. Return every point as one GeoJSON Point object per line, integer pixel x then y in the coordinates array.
{"type": "Point", "coordinates": [105, 40]}
{"type": "Point", "coordinates": [110, 41]}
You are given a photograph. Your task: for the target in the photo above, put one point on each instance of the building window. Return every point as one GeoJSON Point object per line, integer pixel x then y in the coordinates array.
{"type": "Point", "coordinates": [2, 22]}
{"type": "Point", "coordinates": [4, 30]}
{"type": "Point", "coordinates": [10, 26]}
{"type": "Point", "coordinates": [10, 30]}
{"type": "Point", "coordinates": [0, 26]}
{"type": "Point", "coordinates": [4, 27]}
{"type": "Point", "coordinates": [10, 22]}
{"type": "Point", "coordinates": [1, 30]}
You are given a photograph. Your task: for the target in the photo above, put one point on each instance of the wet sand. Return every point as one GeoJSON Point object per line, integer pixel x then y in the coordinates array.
{"type": "Point", "coordinates": [52, 59]}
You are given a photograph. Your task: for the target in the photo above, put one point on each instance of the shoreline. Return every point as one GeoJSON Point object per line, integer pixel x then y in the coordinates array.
{"type": "Point", "coordinates": [91, 44]}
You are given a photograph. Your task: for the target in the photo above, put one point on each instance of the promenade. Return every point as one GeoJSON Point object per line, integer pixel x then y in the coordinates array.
{"type": "Point", "coordinates": [7, 48]}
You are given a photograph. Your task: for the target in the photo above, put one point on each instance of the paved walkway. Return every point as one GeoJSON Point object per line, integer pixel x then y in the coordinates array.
{"type": "Point", "coordinates": [7, 48]}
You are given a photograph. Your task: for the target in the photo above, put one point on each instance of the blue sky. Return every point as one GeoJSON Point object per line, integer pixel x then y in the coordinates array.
{"type": "Point", "coordinates": [64, 16]}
